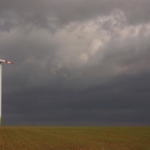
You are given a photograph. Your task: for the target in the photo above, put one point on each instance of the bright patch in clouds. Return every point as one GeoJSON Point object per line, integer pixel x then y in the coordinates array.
{"type": "Point", "coordinates": [83, 58]}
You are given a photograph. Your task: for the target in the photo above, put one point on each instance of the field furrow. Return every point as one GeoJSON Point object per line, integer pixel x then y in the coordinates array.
{"type": "Point", "coordinates": [74, 138]}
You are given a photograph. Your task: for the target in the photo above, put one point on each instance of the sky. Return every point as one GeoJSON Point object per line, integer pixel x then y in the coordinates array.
{"type": "Point", "coordinates": [76, 62]}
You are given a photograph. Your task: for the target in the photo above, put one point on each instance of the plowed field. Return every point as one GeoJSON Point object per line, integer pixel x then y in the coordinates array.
{"type": "Point", "coordinates": [74, 138]}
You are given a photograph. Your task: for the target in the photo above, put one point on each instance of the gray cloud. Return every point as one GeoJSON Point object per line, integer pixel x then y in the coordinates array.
{"type": "Point", "coordinates": [54, 13]}
{"type": "Point", "coordinates": [76, 62]}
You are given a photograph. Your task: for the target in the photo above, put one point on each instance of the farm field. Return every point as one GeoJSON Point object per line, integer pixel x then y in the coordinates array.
{"type": "Point", "coordinates": [74, 138]}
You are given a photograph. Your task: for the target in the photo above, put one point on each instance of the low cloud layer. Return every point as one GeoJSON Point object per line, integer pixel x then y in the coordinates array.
{"type": "Point", "coordinates": [76, 62]}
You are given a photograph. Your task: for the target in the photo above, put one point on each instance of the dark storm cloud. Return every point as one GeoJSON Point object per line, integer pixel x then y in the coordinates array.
{"type": "Point", "coordinates": [123, 100]}
{"type": "Point", "coordinates": [93, 70]}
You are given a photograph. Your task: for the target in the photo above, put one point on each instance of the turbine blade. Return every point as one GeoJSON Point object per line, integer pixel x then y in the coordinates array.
{"type": "Point", "coordinates": [6, 61]}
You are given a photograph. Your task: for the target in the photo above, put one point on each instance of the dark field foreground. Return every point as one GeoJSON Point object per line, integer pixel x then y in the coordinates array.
{"type": "Point", "coordinates": [74, 138]}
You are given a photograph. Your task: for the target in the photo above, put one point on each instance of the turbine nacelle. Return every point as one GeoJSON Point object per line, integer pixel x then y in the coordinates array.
{"type": "Point", "coordinates": [6, 61]}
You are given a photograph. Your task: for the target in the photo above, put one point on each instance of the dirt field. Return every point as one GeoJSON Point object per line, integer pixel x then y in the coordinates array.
{"type": "Point", "coordinates": [74, 138]}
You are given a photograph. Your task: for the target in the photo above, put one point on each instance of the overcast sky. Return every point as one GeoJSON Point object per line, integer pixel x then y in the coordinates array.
{"type": "Point", "coordinates": [77, 62]}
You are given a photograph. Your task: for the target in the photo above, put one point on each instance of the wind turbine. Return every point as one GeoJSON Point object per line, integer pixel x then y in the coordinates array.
{"type": "Point", "coordinates": [6, 62]}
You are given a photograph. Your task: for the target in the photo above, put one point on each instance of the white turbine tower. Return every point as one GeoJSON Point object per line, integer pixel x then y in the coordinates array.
{"type": "Point", "coordinates": [7, 62]}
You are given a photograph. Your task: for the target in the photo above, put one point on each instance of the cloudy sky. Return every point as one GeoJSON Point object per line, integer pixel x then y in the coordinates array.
{"type": "Point", "coordinates": [77, 62]}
